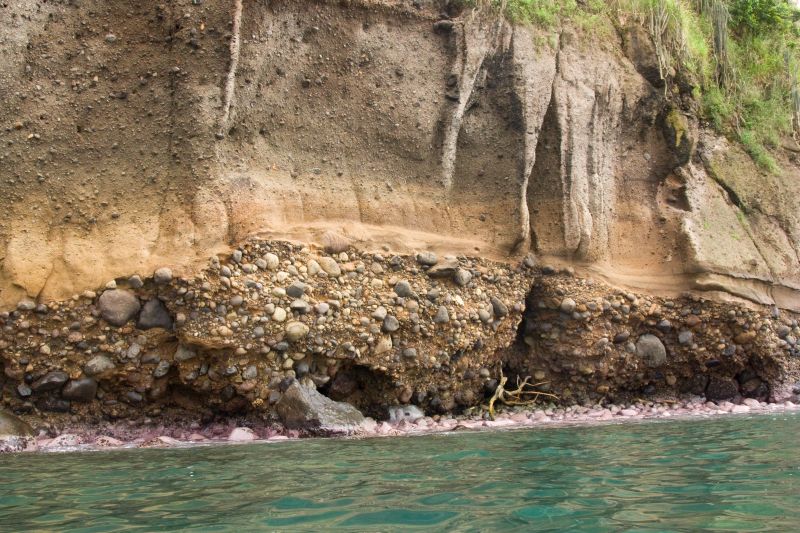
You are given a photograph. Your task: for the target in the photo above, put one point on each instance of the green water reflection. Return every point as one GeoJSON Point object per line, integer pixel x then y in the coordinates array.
{"type": "Point", "coordinates": [727, 474]}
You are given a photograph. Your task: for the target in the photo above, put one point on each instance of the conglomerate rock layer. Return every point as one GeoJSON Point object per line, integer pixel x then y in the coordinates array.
{"type": "Point", "coordinates": [376, 331]}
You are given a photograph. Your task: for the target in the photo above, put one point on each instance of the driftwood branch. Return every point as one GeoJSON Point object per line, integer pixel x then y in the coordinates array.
{"type": "Point", "coordinates": [522, 395]}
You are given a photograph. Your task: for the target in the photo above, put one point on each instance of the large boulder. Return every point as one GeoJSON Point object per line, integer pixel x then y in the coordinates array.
{"type": "Point", "coordinates": [15, 434]}
{"type": "Point", "coordinates": [117, 306]}
{"type": "Point", "coordinates": [651, 350]}
{"type": "Point", "coordinates": [307, 410]}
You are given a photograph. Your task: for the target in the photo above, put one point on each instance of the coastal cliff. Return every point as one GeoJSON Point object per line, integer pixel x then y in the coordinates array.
{"type": "Point", "coordinates": [389, 201]}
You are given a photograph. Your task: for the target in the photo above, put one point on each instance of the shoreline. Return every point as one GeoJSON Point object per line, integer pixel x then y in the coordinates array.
{"type": "Point", "coordinates": [92, 439]}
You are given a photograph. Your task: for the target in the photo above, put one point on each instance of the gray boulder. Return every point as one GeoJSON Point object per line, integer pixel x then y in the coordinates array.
{"type": "Point", "coordinates": [403, 289]}
{"type": "Point", "coordinates": [651, 350]}
{"type": "Point", "coordinates": [307, 410]}
{"type": "Point", "coordinates": [15, 434]}
{"type": "Point", "coordinates": [117, 306]}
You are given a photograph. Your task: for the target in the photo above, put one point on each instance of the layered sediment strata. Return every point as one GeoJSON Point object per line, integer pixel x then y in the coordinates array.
{"type": "Point", "coordinates": [136, 135]}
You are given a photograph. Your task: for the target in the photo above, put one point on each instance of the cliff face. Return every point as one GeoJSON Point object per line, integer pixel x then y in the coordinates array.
{"type": "Point", "coordinates": [139, 135]}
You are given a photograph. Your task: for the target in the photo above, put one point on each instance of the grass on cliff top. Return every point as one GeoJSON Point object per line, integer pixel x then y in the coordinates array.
{"type": "Point", "coordinates": [741, 56]}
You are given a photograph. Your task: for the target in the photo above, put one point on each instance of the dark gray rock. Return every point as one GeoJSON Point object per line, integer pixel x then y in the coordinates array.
{"type": "Point", "coordinates": [664, 326]}
{"type": "Point", "coordinates": [391, 324]}
{"type": "Point", "coordinates": [296, 289]}
{"type": "Point", "coordinates": [621, 337]}
{"type": "Point", "coordinates": [50, 381]}
{"type": "Point", "coordinates": [154, 315]}
{"type": "Point", "coordinates": [651, 350]}
{"type": "Point", "coordinates": [80, 390]}
{"type": "Point", "coordinates": [403, 288]}
{"type": "Point", "coordinates": [305, 409]}
{"type": "Point", "coordinates": [444, 269]}
{"type": "Point", "coordinates": [117, 306]}
{"type": "Point", "coordinates": [442, 316]}
{"type": "Point", "coordinates": [133, 397]}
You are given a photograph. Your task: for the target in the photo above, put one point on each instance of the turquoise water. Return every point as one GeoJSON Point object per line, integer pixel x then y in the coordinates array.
{"type": "Point", "coordinates": [725, 474]}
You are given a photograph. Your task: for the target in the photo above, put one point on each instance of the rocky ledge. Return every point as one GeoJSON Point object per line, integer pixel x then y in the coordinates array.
{"type": "Point", "coordinates": [370, 329]}
{"type": "Point", "coordinates": [307, 339]}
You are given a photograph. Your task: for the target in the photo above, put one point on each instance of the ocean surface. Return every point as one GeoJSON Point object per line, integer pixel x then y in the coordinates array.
{"type": "Point", "coordinates": [724, 474]}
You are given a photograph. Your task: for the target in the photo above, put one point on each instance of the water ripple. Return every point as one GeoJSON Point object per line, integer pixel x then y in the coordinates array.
{"type": "Point", "coordinates": [727, 474]}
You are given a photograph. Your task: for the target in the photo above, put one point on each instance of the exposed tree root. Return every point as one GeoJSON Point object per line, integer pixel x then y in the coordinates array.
{"type": "Point", "coordinates": [518, 395]}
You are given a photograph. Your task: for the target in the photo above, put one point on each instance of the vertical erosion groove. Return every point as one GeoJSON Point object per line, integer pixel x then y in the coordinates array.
{"type": "Point", "coordinates": [230, 80]}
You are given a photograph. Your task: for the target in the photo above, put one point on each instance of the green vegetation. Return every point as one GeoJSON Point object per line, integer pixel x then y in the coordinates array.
{"type": "Point", "coordinates": [741, 57]}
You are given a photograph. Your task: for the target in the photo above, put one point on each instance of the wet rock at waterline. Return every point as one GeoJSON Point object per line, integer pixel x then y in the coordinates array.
{"type": "Point", "coordinates": [305, 409]}
{"type": "Point", "coordinates": [15, 434]}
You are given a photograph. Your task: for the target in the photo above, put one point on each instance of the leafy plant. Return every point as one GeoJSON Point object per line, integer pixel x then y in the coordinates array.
{"type": "Point", "coordinates": [760, 17]}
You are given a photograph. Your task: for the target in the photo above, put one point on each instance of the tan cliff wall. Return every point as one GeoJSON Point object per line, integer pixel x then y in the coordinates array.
{"type": "Point", "coordinates": [126, 147]}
